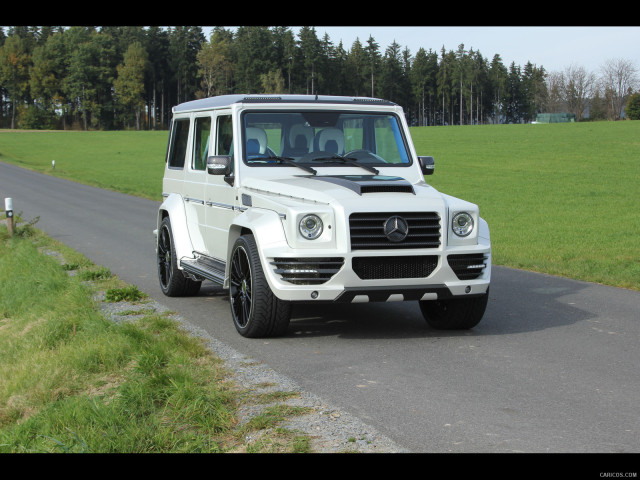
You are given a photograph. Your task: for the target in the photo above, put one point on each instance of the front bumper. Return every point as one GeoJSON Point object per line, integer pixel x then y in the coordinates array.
{"type": "Point", "coordinates": [366, 276]}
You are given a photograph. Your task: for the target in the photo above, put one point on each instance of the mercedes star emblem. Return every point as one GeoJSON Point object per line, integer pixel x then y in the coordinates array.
{"type": "Point", "coordinates": [396, 228]}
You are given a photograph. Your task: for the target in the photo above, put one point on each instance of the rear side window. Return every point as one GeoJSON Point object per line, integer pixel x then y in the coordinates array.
{"type": "Point", "coordinates": [179, 139]}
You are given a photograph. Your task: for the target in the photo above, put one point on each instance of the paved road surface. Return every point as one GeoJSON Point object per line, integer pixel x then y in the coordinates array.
{"type": "Point", "coordinates": [553, 367]}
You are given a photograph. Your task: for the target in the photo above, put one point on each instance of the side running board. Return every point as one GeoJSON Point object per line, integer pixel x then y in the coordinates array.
{"type": "Point", "coordinates": [204, 268]}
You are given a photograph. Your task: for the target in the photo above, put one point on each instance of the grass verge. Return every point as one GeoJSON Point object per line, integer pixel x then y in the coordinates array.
{"type": "Point", "coordinates": [71, 380]}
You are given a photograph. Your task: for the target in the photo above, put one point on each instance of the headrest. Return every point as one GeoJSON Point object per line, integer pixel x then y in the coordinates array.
{"type": "Point", "coordinates": [300, 131]}
{"type": "Point", "coordinates": [330, 139]}
{"type": "Point", "coordinates": [258, 134]}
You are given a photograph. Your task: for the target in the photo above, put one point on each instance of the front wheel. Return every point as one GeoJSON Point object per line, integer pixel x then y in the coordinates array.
{"type": "Point", "coordinates": [454, 313]}
{"type": "Point", "coordinates": [256, 311]}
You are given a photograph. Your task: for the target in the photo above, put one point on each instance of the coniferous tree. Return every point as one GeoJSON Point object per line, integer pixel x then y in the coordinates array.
{"type": "Point", "coordinates": [309, 46]}
{"type": "Point", "coordinates": [513, 94]}
{"type": "Point", "coordinates": [355, 70]}
{"type": "Point", "coordinates": [14, 71]}
{"type": "Point", "coordinates": [284, 45]}
{"type": "Point", "coordinates": [423, 76]}
{"type": "Point", "coordinates": [129, 84]}
{"type": "Point", "coordinates": [48, 71]}
{"type": "Point", "coordinates": [156, 42]}
{"type": "Point", "coordinates": [498, 84]}
{"type": "Point", "coordinates": [184, 45]}
{"type": "Point", "coordinates": [372, 62]}
{"type": "Point", "coordinates": [445, 80]}
{"type": "Point", "coordinates": [535, 91]}
{"type": "Point", "coordinates": [391, 79]}
{"type": "Point", "coordinates": [632, 111]}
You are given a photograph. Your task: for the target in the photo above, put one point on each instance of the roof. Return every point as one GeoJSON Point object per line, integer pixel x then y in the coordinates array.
{"type": "Point", "coordinates": [227, 100]}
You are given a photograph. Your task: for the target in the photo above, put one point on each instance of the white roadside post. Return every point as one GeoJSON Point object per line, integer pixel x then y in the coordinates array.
{"type": "Point", "coordinates": [8, 209]}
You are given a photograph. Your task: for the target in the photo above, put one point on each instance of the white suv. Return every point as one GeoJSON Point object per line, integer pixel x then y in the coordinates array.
{"type": "Point", "coordinates": [299, 198]}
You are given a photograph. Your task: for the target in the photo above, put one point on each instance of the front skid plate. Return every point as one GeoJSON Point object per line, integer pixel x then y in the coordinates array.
{"type": "Point", "coordinates": [385, 294]}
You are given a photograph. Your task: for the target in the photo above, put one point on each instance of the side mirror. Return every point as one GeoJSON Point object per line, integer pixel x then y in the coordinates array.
{"type": "Point", "coordinates": [219, 165]}
{"type": "Point", "coordinates": [427, 165]}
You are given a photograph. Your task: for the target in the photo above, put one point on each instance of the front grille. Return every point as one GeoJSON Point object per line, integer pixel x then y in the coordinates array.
{"type": "Point", "coordinates": [367, 230]}
{"type": "Point", "coordinates": [467, 267]}
{"type": "Point", "coordinates": [307, 271]}
{"type": "Point", "coordinates": [380, 268]}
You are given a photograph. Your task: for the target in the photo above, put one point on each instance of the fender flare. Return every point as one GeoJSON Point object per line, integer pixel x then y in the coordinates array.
{"type": "Point", "coordinates": [173, 207]}
{"type": "Point", "coordinates": [483, 230]}
{"type": "Point", "coordinates": [266, 228]}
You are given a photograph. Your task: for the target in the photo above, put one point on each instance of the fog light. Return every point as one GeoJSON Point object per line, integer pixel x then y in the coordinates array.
{"type": "Point", "coordinates": [314, 295]}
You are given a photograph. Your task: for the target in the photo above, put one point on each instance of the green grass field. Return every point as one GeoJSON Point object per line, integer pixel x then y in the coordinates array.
{"type": "Point", "coordinates": [559, 198]}
{"type": "Point", "coordinates": [128, 162]}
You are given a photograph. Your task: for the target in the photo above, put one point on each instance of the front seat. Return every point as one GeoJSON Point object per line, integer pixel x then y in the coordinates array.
{"type": "Point", "coordinates": [256, 141]}
{"type": "Point", "coordinates": [298, 142]}
{"type": "Point", "coordinates": [330, 140]}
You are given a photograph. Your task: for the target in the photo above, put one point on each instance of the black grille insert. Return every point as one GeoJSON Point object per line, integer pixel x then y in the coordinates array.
{"type": "Point", "coordinates": [368, 230]}
{"type": "Point", "coordinates": [380, 268]}
{"type": "Point", "coordinates": [468, 266]}
{"type": "Point", "coordinates": [307, 271]}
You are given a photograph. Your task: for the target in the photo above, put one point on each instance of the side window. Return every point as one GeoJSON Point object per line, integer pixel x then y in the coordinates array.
{"type": "Point", "coordinates": [224, 145]}
{"type": "Point", "coordinates": [202, 133]}
{"type": "Point", "coordinates": [178, 148]}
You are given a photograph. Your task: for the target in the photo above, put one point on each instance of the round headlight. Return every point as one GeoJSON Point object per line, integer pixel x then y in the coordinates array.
{"type": "Point", "coordinates": [462, 224]}
{"type": "Point", "coordinates": [311, 227]}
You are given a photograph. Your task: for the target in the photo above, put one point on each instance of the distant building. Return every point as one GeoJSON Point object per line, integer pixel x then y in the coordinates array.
{"type": "Point", "coordinates": [555, 118]}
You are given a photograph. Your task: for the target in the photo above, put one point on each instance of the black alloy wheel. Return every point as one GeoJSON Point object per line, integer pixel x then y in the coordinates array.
{"type": "Point", "coordinates": [240, 287]}
{"type": "Point", "coordinates": [256, 311]}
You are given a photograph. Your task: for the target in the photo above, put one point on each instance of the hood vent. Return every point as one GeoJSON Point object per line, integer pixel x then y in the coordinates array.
{"type": "Point", "coordinates": [362, 184]}
{"type": "Point", "coordinates": [386, 188]}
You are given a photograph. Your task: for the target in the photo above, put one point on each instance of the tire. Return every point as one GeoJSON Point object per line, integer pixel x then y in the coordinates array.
{"type": "Point", "coordinates": [454, 313]}
{"type": "Point", "coordinates": [256, 311]}
{"type": "Point", "coordinates": [172, 282]}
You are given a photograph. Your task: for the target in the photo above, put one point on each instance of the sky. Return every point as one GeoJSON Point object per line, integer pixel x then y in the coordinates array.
{"type": "Point", "coordinates": [552, 47]}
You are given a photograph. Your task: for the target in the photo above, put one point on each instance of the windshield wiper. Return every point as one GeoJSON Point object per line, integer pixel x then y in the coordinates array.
{"type": "Point", "coordinates": [343, 159]}
{"type": "Point", "coordinates": [291, 161]}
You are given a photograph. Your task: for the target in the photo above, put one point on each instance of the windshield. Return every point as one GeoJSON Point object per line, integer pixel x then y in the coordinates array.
{"type": "Point", "coordinates": [312, 140]}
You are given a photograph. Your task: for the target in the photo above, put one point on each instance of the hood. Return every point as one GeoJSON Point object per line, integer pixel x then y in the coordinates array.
{"type": "Point", "coordinates": [339, 188]}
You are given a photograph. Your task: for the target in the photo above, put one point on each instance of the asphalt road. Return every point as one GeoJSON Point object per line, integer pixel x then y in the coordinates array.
{"type": "Point", "coordinates": [553, 366]}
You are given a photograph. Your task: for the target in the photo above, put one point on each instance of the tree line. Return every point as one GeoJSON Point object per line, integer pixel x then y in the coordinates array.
{"type": "Point", "coordinates": [129, 77]}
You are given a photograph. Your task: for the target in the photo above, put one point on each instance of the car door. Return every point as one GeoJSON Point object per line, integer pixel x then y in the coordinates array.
{"type": "Point", "coordinates": [220, 193]}
{"type": "Point", "coordinates": [195, 180]}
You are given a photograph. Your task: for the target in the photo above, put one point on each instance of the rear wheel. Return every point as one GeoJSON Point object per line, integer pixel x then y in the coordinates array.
{"type": "Point", "coordinates": [454, 313]}
{"type": "Point", "coordinates": [172, 282]}
{"type": "Point", "coordinates": [256, 311]}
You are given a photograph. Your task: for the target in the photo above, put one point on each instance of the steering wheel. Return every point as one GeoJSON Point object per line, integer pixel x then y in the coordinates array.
{"type": "Point", "coordinates": [362, 154]}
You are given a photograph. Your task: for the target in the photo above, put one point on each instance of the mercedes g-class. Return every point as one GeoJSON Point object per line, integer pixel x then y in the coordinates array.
{"type": "Point", "coordinates": [301, 198]}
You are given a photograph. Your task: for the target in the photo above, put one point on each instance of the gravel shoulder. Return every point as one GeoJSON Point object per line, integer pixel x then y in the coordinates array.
{"type": "Point", "coordinates": [330, 429]}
